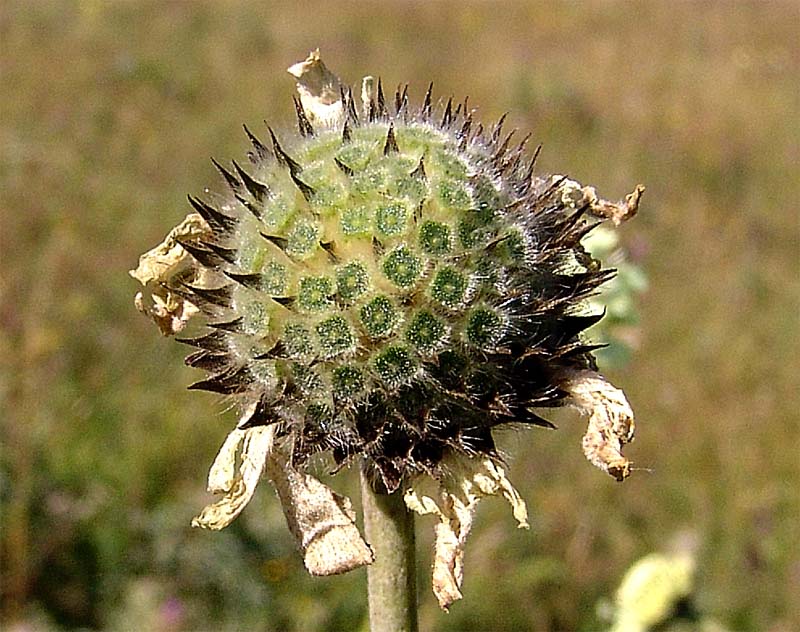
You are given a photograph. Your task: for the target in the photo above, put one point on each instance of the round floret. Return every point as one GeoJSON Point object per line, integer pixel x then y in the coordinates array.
{"type": "Point", "coordinates": [302, 239]}
{"type": "Point", "coordinates": [426, 332]}
{"type": "Point", "coordinates": [402, 267]}
{"type": "Point", "coordinates": [395, 365]}
{"type": "Point", "coordinates": [449, 287]}
{"type": "Point", "coordinates": [334, 336]}
{"type": "Point", "coordinates": [348, 381]}
{"type": "Point", "coordinates": [435, 238]}
{"type": "Point", "coordinates": [314, 294]}
{"type": "Point", "coordinates": [379, 317]}
{"type": "Point", "coordinates": [390, 219]}
{"type": "Point", "coordinates": [352, 281]}
{"type": "Point", "coordinates": [297, 341]}
{"type": "Point", "coordinates": [484, 327]}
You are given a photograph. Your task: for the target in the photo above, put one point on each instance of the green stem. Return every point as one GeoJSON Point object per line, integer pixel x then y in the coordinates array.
{"type": "Point", "coordinates": [391, 578]}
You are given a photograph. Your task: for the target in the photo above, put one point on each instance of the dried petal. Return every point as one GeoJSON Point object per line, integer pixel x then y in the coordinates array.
{"type": "Point", "coordinates": [160, 265]}
{"type": "Point", "coordinates": [576, 195]}
{"type": "Point", "coordinates": [319, 91]}
{"type": "Point", "coordinates": [256, 444]}
{"type": "Point", "coordinates": [322, 521]}
{"type": "Point", "coordinates": [468, 481]}
{"type": "Point", "coordinates": [611, 423]}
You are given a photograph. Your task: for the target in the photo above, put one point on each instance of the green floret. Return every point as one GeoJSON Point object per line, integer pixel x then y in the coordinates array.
{"type": "Point", "coordinates": [426, 333]}
{"type": "Point", "coordinates": [449, 287]}
{"type": "Point", "coordinates": [334, 336]}
{"type": "Point", "coordinates": [314, 294]}
{"type": "Point", "coordinates": [348, 382]}
{"type": "Point", "coordinates": [352, 281]}
{"type": "Point", "coordinates": [484, 327]}
{"type": "Point", "coordinates": [297, 341]}
{"type": "Point", "coordinates": [453, 194]}
{"type": "Point", "coordinates": [390, 219]}
{"type": "Point", "coordinates": [356, 220]}
{"type": "Point", "coordinates": [395, 365]}
{"type": "Point", "coordinates": [379, 317]}
{"type": "Point", "coordinates": [435, 238]}
{"type": "Point", "coordinates": [402, 267]}
{"type": "Point", "coordinates": [274, 278]}
{"type": "Point", "coordinates": [303, 239]}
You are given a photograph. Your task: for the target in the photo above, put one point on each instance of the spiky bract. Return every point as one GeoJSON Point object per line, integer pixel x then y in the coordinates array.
{"type": "Point", "coordinates": [393, 288]}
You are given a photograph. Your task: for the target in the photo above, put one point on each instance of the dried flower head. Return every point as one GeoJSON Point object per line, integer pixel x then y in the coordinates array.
{"type": "Point", "coordinates": [387, 287]}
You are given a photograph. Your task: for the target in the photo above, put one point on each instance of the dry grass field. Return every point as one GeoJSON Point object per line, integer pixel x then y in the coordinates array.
{"type": "Point", "coordinates": [109, 112]}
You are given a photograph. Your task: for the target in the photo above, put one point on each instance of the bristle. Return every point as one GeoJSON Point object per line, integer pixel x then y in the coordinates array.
{"type": "Point", "coordinates": [343, 167]}
{"type": "Point", "coordinates": [216, 296]}
{"type": "Point", "coordinates": [401, 100]}
{"type": "Point", "coordinates": [233, 183]}
{"type": "Point", "coordinates": [381, 100]}
{"type": "Point", "coordinates": [206, 361]}
{"type": "Point", "coordinates": [447, 118]}
{"type": "Point", "coordinates": [215, 219]}
{"type": "Point", "coordinates": [330, 248]}
{"type": "Point", "coordinates": [390, 146]}
{"type": "Point", "coordinates": [498, 129]}
{"type": "Point", "coordinates": [258, 190]}
{"type": "Point", "coordinates": [500, 152]}
{"type": "Point", "coordinates": [252, 281]}
{"type": "Point", "coordinates": [351, 114]}
{"type": "Point", "coordinates": [226, 383]}
{"type": "Point", "coordinates": [261, 151]}
{"type": "Point", "coordinates": [419, 171]}
{"type": "Point", "coordinates": [463, 134]}
{"type": "Point", "coordinates": [284, 158]}
{"type": "Point", "coordinates": [249, 206]}
{"type": "Point", "coordinates": [303, 124]}
{"type": "Point", "coordinates": [426, 105]}
{"type": "Point", "coordinates": [215, 341]}
{"type": "Point", "coordinates": [286, 301]}
{"type": "Point", "coordinates": [280, 242]}
{"type": "Point", "coordinates": [226, 254]}
{"type": "Point", "coordinates": [307, 191]}
{"type": "Point", "coordinates": [203, 256]}
{"type": "Point", "coordinates": [263, 414]}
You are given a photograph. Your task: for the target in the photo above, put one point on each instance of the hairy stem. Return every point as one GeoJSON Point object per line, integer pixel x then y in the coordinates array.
{"type": "Point", "coordinates": [389, 527]}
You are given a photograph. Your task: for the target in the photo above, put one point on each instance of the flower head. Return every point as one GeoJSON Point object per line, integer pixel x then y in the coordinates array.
{"type": "Point", "coordinates": [387, 287]}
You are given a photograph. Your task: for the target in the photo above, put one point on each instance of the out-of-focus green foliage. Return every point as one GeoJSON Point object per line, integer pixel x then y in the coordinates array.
{"type": "Point", "coordinates": [108, 112]}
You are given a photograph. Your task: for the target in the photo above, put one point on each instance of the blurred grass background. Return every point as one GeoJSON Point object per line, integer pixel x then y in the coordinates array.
{"type": "Point", "coordinates": [108, 114]}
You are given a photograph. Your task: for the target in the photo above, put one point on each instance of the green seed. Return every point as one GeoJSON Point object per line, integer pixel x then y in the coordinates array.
{"type": "Point", "coordinates": [314, 294]}
{"type": "Point", "coordinates": [348, 382]}
{"type": "Point", "coordinates": [449, 287]}
{"type": "Point", "coordinates": [390, 219]}
{"type": "Point", "coordinates": [484, 327]}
